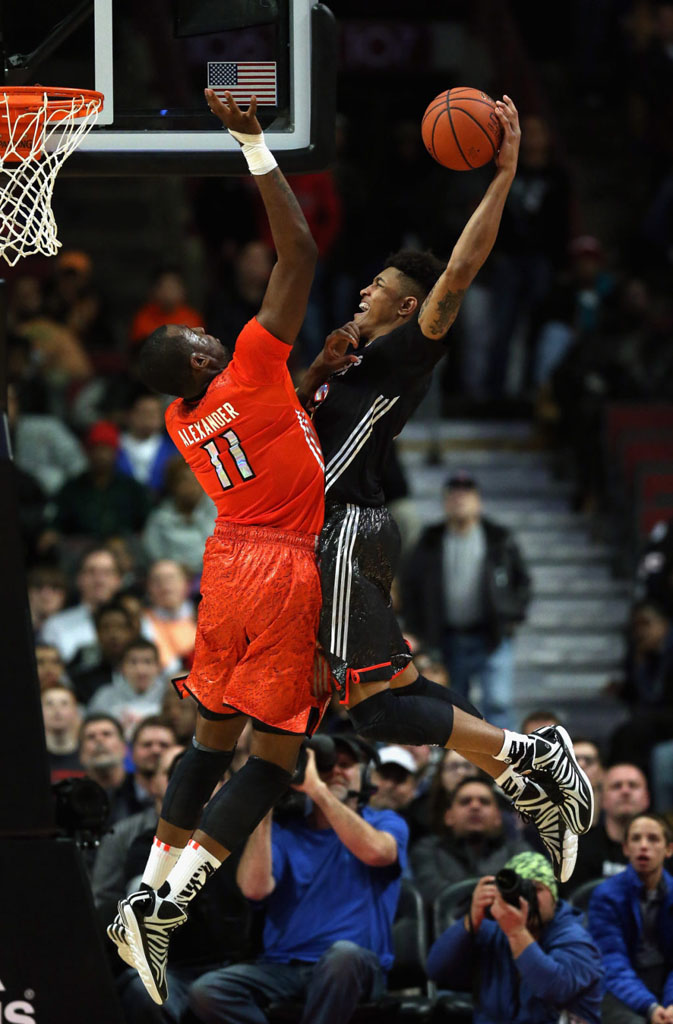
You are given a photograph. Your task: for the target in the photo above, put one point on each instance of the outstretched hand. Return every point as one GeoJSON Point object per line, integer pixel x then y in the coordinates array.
{"type": "Point", "coordinates": [508, 154]}
{"type": "Point", "coordinates": [231, 115]}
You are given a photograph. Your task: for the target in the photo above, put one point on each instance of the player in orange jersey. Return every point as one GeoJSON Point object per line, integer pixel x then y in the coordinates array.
{"type": "Point", "coordinates": [240, 427]}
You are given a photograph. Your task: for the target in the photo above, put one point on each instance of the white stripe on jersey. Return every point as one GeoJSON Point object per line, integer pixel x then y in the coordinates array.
{"type": "Point", "coordinates": [357, 439]}
{"type": "Point", "coordinates": [310, 439]}
{"type": "Point", "coordinates": [343, 577]}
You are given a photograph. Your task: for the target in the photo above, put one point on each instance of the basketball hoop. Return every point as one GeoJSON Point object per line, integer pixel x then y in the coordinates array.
{"type": "Point", "coordinates": [39, 129]}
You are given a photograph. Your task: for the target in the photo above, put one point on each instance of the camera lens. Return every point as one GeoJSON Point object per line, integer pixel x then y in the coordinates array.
{"type": "Point", "coordinates": [509, 885]}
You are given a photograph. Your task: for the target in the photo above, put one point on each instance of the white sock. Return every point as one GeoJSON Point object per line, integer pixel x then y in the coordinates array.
{"type": "Point", "coordinates": [514, 746]}
{"type": "Point", "coordinates": [161, 861]}
{"type": "Point", "coordinates": [190, 874]}
{"type": "Point", "coordinates": [510, 782]}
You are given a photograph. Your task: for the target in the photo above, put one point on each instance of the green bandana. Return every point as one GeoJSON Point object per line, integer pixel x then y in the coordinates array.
{"type": "Point", "coordinates": [536, 867]}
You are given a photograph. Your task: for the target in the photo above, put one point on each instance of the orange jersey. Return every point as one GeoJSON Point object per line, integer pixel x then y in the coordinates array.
{"type": "Point", "coordinates": [250, 444]}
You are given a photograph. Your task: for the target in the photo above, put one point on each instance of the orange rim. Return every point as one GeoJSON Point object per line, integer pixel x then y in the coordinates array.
{"type": "Point", "coordinates": [31, 97]}
{"type": "Point", "coordinates": [28, 101]}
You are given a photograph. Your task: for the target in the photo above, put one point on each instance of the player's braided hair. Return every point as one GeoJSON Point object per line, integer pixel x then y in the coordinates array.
{"type": "Point", "coordinates": [163, 361]}
{"type": "Point", "coordinates": [421, 268]}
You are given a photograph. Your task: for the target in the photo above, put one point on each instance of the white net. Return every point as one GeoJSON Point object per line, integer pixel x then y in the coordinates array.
{"type": "Point", "coordinates": [38, 131]}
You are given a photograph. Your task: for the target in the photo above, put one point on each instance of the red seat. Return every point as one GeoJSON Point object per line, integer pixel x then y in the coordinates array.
{"type": "Point", "coordinates": [623, 417]}
{"type": "Point", "coordinates": [635, 452]}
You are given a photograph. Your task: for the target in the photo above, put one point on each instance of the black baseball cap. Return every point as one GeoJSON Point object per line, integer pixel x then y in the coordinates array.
{"type": "Point", "coordinates": [358, 748]}
{"type": "Point", "coordinates": [461, 479]}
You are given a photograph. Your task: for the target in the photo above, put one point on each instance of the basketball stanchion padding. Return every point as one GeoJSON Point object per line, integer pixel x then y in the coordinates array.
{"type": "Point", "coordinates": [39, 129]}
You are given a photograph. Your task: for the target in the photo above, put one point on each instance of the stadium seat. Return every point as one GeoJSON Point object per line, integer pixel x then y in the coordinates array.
{"type": "Point", "coordinates": [582, 894]}
{"type": "Point", "coordinates": [452, 904]}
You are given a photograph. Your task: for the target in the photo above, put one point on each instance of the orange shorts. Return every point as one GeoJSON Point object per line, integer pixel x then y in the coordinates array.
{"type": "Point", "coordinates": [257, 627]}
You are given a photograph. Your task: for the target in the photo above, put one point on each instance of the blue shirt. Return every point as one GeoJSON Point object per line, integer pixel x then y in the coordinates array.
{"type": "Point", "coordinates": [325, 894]}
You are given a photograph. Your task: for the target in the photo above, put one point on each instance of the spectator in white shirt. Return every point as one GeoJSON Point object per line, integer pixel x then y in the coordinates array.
{"type": "Point", "coordinates": [97, 581]}
{"type": "Point", "coordinates": [136, 691]}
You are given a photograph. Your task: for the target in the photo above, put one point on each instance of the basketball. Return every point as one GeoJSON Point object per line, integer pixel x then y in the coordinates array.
{"type": "Point", "coordinates": [460, 129]}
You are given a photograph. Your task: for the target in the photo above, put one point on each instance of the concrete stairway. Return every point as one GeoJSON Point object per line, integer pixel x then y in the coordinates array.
{"type": "Point", "coordinates": [572, 642]}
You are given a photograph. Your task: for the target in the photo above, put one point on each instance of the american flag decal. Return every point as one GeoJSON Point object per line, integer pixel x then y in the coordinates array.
{"type": "Point", "coordinates": [243, 79]}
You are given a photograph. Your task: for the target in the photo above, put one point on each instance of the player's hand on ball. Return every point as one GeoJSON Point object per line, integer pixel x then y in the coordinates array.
{"type": "Point", "coordinates": [335, 350]}
{"type": "Point", "coordinates": [508, 116]}
{"type": "Point", "coordinates": [231, 115]}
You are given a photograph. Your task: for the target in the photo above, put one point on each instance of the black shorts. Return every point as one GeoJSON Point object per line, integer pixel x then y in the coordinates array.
{"type": "Point", "coordinates": [359, 631]}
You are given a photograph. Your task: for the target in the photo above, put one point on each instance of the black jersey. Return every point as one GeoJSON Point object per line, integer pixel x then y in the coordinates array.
{"type": "Point", "coordinates": [364, 407]}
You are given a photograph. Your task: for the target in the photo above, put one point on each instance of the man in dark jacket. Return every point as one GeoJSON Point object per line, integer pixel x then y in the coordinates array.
{"type": "Point", "coordinates": [535, 963]}
{"type": "Point", "coordinates": [471, 844]}
{"type": "Point", "coordinates": [465, 588]}
{"type": "Point", "coordinates": [631, 919]}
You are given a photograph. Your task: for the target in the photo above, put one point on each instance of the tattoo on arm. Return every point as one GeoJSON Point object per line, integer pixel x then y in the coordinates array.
{"type": "Point", "coordinates": [446, 310]}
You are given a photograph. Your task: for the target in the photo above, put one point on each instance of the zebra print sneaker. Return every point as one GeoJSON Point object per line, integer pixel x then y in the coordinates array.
{"type": "Point", "coordinates": [117, 933]}
{"type": "Point", "coordinates": [534, 806]}
{"type": "Point", "coordinates": [551, 763]}
{"type": "Point", "coordinates": [150, 921]}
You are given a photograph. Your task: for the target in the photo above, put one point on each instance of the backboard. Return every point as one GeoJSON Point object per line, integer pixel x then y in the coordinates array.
{"type": "Point", "coordinates": [152, 59]}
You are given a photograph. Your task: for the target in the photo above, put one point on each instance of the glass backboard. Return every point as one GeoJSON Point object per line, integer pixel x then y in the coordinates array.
{"type": "Point", "coordinates": [152, 61]}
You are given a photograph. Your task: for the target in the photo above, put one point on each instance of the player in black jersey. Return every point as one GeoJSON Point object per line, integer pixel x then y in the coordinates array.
{"type": "Point", "coordinates": [397, 337]}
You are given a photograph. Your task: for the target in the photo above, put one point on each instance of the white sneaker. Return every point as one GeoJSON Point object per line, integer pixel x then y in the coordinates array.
{"type": "Point", "coordinates": [561, 844]}
{"type": "Point", "coordinates": [117, 933]}
{"type": "Point", "coordinates": [150, 921]}
{"type": "Point", "coordinates": [552, 764]}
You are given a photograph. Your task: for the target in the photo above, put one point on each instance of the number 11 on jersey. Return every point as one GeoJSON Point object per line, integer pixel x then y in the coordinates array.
{"type": "Point", "coordinates": [237, 454]}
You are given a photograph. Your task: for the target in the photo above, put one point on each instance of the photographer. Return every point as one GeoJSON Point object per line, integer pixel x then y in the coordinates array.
{"type": "Point", "coordinates": [522, 951]}
{"type": "Point", "coordinates": [331, 881]}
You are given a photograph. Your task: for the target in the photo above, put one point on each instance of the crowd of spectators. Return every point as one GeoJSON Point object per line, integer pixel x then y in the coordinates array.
{"type": "Point", "coordinates": [114, 525]}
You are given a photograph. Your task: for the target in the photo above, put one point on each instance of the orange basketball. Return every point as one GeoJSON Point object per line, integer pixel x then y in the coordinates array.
{"type": "Point", "coordinates": [461, 129]}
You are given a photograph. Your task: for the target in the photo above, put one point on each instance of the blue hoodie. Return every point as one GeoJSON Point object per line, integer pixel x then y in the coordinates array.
{"type": "Point", "coordinates": [562, 971]}
{"type": "Point", "coordinates": [616, 922]}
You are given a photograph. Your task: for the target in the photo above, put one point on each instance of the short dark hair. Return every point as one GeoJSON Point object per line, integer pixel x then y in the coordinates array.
{"type": "Point", "coordinates": [537, 713]}
{"type": "Point", "coordinates": [163, 361]}
{"type": "Point", "coordinates": [150, 722]}
{"type": "Point", "coordinates": [422, 269]}
{"type": "Point", "coordinates": [107, 608]}
{"type": "Point", "coordinates": [47, 575]}
{"type": "Point", "coordinates": [141, 643]}
{"type": "Point", "coordinates": [101, 716]}
{"type": "Point", "coordinates": [660, 819]}
{"type": "Point", "coordinates": [482, 778]}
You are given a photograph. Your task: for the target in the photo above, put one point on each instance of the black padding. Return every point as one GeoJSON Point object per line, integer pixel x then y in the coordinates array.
{"type": "Point", "coordinates": [237, 809]}
{"type": "Point", "coordinates": [191, 785]}
{"type": "Point", "coordinates": [422, 687]}
{"type": "Point", "coordinates": [387, 718]}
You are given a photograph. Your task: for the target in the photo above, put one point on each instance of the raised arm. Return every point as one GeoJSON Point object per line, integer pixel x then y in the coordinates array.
{"type": "Point", "coordinates": [372, 846]}
{"type": "Point", "coordinates": [284, 304]}
{"type": "Point", "coordinates": [441, 306]}
{"type": "Point", "coordinates": [254, 875]}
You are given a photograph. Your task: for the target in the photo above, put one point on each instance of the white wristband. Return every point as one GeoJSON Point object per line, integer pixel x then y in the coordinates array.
{"type": "Point", "coordinates": [255, 150]}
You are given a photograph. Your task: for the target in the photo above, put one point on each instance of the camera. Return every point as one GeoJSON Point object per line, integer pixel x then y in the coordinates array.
{"type": "Point", "coordinates": [81, 810]}
{"type": "Point", "coordinates": [511, 886]}
{"type": "Point", "coordinates": [325, 756]}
